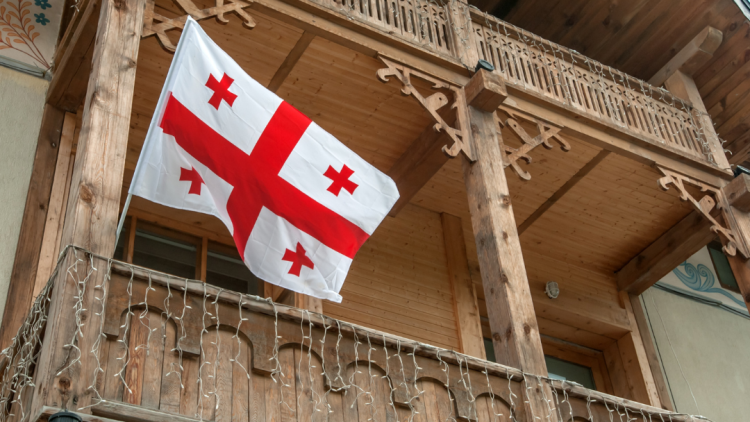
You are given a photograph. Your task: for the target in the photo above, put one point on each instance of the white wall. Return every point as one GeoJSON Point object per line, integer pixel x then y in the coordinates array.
{"type": "Point", "coordinates": [705, 353]}
{"type": "Point", "coordinates": [21, 106]}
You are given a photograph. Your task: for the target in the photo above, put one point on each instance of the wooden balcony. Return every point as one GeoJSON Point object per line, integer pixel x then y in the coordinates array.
{"type": "Point", "coordinates": [114, 341]}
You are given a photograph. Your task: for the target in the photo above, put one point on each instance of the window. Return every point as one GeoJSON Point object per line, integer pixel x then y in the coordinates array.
{"type": "Point", "coordinates": [556, 368]}
{"type": "Point", "coordinates": [721, 265]}
{"type": "Point", "coordinates": [180, 255]}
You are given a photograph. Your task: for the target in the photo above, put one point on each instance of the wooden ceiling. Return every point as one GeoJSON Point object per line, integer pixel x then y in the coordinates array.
{"type": "Point", "coordinates": [593, 230]}
{"type": "Point", "coordinates": [640, 36]}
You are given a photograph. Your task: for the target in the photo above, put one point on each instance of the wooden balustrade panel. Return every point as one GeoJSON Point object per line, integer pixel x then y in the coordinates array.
{"type": "Point", "coordinates": [590, 88]}
{"type": "Point", "coordinates": [184, 348]}
{"type": "Point", "coordinates": [418, 21]}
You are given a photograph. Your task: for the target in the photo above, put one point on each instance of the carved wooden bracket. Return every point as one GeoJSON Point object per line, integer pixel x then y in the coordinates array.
{"type": "Point", "coordinates": [165, 24]}
{"type": "Point", "coordinates": [714, 199]}
{"type": "Point", "coordinates": [547, 132]}
{"type": "Point", "coordinates": [459, 134]}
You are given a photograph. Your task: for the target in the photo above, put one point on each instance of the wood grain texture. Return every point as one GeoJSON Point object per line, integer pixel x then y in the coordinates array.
{"type": "Point", "coordinates": [692, 57]}
{"type": "Point", "coordinates": [663, 255]}
{"type": "Point", "coordinates": [91, 217]}
{"type": "Point", "coordinates": [465, 308]}
{"type": "Point", "coordinates": [56, 208]}
{"type": "Point", "coordinates": [291, 60]}
{"type": "Point", "coordinates": [26, 261]}
{"type": "Point", "coordinates": [515, 333]}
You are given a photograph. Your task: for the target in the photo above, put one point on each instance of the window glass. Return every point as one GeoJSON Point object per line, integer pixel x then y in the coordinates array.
{"type": "Point", "coordinates": [569, 371]}
{"type": "Point", "coordinates": [225, 269]}
{"type": "Point", "coordinates": [721, 265]}
{"type": "Point", "coordinates": [557, 368]}
{"type": "Point", "coordinates": [161, 253]}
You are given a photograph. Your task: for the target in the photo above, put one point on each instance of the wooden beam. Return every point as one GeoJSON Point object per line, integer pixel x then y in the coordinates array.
{"type": "Point", "coordinates": [654, 362]}
{"type": "Point", "coordinates": [465, 307]}
{"type": "Point", "coordinates": [56, 207]}
{"type": "Point", "coordinates": [683, 86]}
{"type": "Point", "coordinates": [201, 260]}
{"type": "Point", "coordinates": [72, 67]}
{"type": "Point", "coordinates": [737, 193]}
{"type": "Point", "coordinates": [665, 254]}
{"type": "Point", "coordinates": [485, 91]}
{"type": "Point", "coordinates": [21, 289]}
{"type": "Point", "coordinates": [309, 303]}
{"type": "Point", "coordinates": [291, 59]}
{"type": "Point", "coordinates": [416, 166]}
{"type": "Point", "coordinates": [580, 174]}
{"type": "Point", "coordinates": [741, 271]}
{"type": "Point", "coordinates": [129, 249]}
{"type": "Point", "coordinates": [515, 334]}
{"type": "Point", "coordinates": [91, 220]}
{"type": "Point", "coordinates": [692, 57]}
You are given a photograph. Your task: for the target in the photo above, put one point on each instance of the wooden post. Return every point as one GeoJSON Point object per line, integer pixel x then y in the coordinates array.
{"type": "Point", "coordinates": [737, 193]}
{"type": "Point", "coordinates": [684, 87]}
{"type": "Point", "coordinates": [515, 334]}
{"type": "Point", "coordinates": [93, 204]}
{"type": "Point", "coordinates": [465, 306]}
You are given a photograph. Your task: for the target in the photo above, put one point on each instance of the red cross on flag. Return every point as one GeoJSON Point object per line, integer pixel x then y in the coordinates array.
{"type": "Point", "coordinates": [298, 203]}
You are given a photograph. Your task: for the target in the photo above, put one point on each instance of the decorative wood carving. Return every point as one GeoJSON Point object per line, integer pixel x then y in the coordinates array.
{"type": "Point", "coordinates": [547, 132]}
{"type": "Point", "coordinates": [714, 199]}
{"type": "Point", "coordinates": [165, 24]}
{"type": "Point", "coordinates": [432, 103]}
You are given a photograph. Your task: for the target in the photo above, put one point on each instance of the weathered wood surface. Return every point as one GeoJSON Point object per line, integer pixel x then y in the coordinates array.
{"type": "Point", "coordinates": [692, 57]}
{"type": "Point", "coordinates": [257, 361]}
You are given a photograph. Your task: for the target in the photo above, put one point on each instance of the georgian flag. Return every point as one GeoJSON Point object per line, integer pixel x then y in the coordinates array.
{"type": "Point", "coordinates": [298, 203]}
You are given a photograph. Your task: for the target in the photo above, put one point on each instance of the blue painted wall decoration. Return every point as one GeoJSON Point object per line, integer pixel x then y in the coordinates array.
{"type": "Point", "coordinates": [702, 279]}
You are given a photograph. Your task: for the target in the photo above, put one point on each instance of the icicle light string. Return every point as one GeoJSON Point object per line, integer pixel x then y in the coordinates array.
{"type": "Point", "coordinates": [81, 270]}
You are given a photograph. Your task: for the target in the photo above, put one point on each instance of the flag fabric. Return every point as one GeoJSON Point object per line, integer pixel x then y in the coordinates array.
{"type": "Point", "coordinates": [298, 202]}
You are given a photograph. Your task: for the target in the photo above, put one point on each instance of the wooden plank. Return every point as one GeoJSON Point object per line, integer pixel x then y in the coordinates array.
{"type": "Point", "coordinates": [580, 174]}
{"type": "Point", "coordinates": [739, 147]}
{"type": "Point", "coordinates": [665, 253]}
{"type": "Point", "coordinates": [692, 57]}
{"type": "Point", "coordinates": [91, 219]}
{"type": "Point", "coordinates": [137, 347]}
{"type": "Point", "coordinates": [737, 193]}
{"type": "Point", "coordinates": [68, 85]}
{"type": "Point", "coordinates": [485, 91]}
{"type": "Point", "coordinates": [240, 380]}
{"type": "Point", "coordinates": [153, 366]}
{"type": "Point", "coordinates": [56, 207]}
{"type": "Point", "coordinates": [465, 308]}
{"type": "Point", "coordinates": [616, 371]}
{"type": "Point", "coordinates": [639, 312]}
{"type": "Point", "coordinates": [130, 413]}
{"type": "Point", "coordinates": [25, 264]}
{"type": "Point", "coordinates": [416, 166]}
{"type": "Point", "coordinates": [515, 333]}
{"type": "Point", "coordinates": [170, 383]}
{"type": "Point", "coordinates": [291, 60]}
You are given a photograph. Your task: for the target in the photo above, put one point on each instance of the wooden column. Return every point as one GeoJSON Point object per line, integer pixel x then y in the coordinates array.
{"type": "Point", "coordinates": [93, 204]}
{"type": "Point", "coordinates": [465, 307]}
{"type": "Point", "coordinates": [515, 334]}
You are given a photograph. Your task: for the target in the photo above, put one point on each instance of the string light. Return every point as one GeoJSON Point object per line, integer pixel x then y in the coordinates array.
{"type": "Point", "coordinates": [80, 269]}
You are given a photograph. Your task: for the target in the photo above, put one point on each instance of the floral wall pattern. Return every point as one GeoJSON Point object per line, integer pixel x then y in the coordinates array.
{"type": "Point", "coordinates": [29, 31]}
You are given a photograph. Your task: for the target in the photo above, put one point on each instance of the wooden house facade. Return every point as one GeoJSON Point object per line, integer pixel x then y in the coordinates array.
{"type": "Point", "coordinates": [519, 162]}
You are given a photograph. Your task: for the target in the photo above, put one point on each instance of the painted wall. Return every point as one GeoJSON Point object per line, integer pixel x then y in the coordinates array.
{"type": "Point", "coordinates": [704, 344]}
{"type": "Point", "coordinates": [21, 105]}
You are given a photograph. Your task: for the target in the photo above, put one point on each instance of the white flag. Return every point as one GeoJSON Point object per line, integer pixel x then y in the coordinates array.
{"type": "Point", "coordinates": [298, 203]}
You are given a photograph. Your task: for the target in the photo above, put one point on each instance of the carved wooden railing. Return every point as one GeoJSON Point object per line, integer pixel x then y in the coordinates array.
{"type": "Point", "coordinates": [125, 343]}
{"type": "Point", "coordinates": [562, 76]}
{"type": "Point", "coordinates": [421, 22]}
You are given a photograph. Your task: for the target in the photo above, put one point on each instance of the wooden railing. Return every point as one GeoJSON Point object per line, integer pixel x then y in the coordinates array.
{"type": "Point", "coordinates": [421, 22]}
{"type": "Point", "coordinates": [603, 94]}
{"type": "Point", "coordinates": [126, 343]}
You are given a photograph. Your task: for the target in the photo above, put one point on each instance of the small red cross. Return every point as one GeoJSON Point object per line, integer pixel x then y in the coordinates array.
{"type": "Point", "coordinates": [194, 178]}
{"type": "Point", "coordinates": [298, 259]}
{"type": "Point", "coordinates": [221, 90]}
{"type": "Point", "coordinates": [340, 180]}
